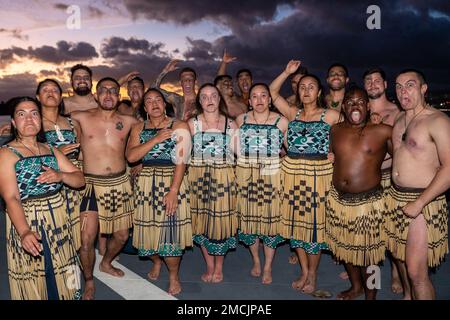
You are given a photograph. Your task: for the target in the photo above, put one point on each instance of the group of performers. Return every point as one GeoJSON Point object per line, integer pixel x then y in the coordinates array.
{"type": "Point", "coordinates": [350, 173]}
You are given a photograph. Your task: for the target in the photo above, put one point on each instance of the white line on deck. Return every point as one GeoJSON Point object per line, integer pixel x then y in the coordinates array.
{"type": "Point", "coordinates": [131, 286]}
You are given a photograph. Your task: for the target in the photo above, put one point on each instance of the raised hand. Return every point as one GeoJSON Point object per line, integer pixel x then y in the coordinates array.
{"type": "Point", "coordinates": [292, 66]}
{"type": "Point", "coordinates": [128, 77]}
{"type": "Point", "coordinates": [227, 58]}
{"type": "Point", "coordinates": [171, 66]}
{"type": "Point", "coordinates": [49, 176]}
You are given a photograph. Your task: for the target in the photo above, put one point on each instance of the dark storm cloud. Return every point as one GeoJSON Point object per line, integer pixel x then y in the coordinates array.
{"type": "Point", "coordinates": [235, 14]}
{"type": "Point", "coordinates": [199, 50]}
{"type": "Point", "coordinates": [48, 73]}
{"type": "Point", "coordinates": [126, 55]}
{"type": "Point", "coordinates": [319, 33]}
{"type": "Point", "coordinates": [8, 56]}
{"type": "Point", "coordinates": [63, 52]}
{"type": "Point", "coordinates": [23, 84]}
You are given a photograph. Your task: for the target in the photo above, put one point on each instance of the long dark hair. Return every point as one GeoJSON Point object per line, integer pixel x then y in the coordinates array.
{"type": "Point", "coordinates": [61, 104]}
{"type": "Point", "coordinates": [223, 108]}
{"type": "Point", "coordinates": [320, 97]}
{"type": "Point", "coordinates": [12, 106]}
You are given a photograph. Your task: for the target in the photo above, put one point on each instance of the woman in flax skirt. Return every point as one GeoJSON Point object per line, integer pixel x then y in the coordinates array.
{"type": "Point", "coordinates": [162, 221]}
{"type": "Point", "coordinates": [261, 134]}
{"type": "Point", "coordinates": [42, 258]}
{"type": "Point", "coordinates": [212, 181]}
{"type": "Point", "coordinates": [61, 132]}
{"type": "Point", "coordinates": [306, 173]}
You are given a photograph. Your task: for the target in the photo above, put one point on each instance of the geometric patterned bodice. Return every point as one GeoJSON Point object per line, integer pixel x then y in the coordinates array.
{"type": "Point", "coordinates": [212, 146]}
{"type": "Point", "coordinates": [69, 136]}
{"type": "Point", "coordinates": [260, 140]}
{"type": "Point", "coordinates": [308, 137]}
{"type": "Point", "coordinates": [161, 154]}
{"type": "Point", "coordinates": [28, 169]}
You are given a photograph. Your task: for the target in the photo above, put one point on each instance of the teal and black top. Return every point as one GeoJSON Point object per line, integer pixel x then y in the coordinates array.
{"type": "Point", "coordinates": [260, 140]}
{"type": "Point", "coordinates": [66, 136]}
{"type": "Point", "coordinates": [28, 169]}
{"type": "Point", "coordinates": [162, 153]}
{"type": "Point", "coordinates": [308, 138]}
{"type": "Point", "coordinates": [212, 146]}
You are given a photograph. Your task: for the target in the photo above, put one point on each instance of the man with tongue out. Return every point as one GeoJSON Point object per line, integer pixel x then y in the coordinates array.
{"type": "Point", "coordinates": [355, 206]}
{"type": "Point", "coordinates": [417, 216]}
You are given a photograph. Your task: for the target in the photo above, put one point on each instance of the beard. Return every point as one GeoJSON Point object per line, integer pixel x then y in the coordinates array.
{"type": "Point", "coordinates": [82, 91]}
{"type": "Point", "coordinates": [337, 87]}
{"type": "Point", "coordinates": [376, 95]}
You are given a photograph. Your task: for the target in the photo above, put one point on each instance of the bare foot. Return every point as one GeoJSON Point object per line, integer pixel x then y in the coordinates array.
{"type": "Point", "coordinates": [89, 290]}
{"type": "Point", "coordinates": [396, 285]}
{"type": "Point", "coordinates": [300, 282]}
{"type": "Point", "coordinates": [154, 271]}
{"type": "Point", "coordinates": [103, 253]}
{"type": "Point", "coordinates": [174, 287]}
{"type": "Point", "coordinates": [310, 285]}
{"type": "Point", "coordinates": [293, 259]}
{"type": "Point", "coordinates": [256, 270]}
{"type": "Point", "coordinates": [207, 277]}
{"type": "Point", "coordinates": [343, 275]}
{"type": "Point", "coordinates": [350, 294]}
{"type": "Point", "coordinates": [267, 277]}
{"type": "Point", "coordinates": [217, 277]}
{"type": "Point", "coordinates": [407, 297]}
{"type": "Point", "coordinates": [115, 272]}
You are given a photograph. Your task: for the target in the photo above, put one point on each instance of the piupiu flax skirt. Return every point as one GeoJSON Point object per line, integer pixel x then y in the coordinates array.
{"type": "Point", "coordinates": [212, 189]}
{"type": "Point", "coordinates": [114, 201]}
{"type": "Point", "coordinates": [155, 232]}
{"type": "Point", "coordinates": [55, 273]}
{"type": "Point", "coordinates": [305, 184]}
{"type": "Point", "coordinates": [73, 201]}
{"type": "Point", "coordinates": [354, 226]}
{"type": "Point", "coordinates": [397, 224]}
{"type": "Point", "coordinates": [258, 198]}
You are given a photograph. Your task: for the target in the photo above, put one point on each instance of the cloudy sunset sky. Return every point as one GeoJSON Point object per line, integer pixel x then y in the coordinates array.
{"type": "Point", "coordinates": [117, 37]}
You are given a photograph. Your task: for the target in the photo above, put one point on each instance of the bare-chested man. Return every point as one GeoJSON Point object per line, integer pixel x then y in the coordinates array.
{"type": "Point", "coordinates": [108, 199]}
{"type": "Point", "coordinates": [384, 111]}
{"type": "Point", "coordinates": [337, 79]}
{"type": "Point", "coordinates": [82, 99]}
{"type": "Point", "coordinates": [234, 106]}
{"type": "Point", "coordinates": [184, 106]}
{"type": "Point", "coordinates": [417, 217]}
{"type": "Point", "coordinates": [355, 204]}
